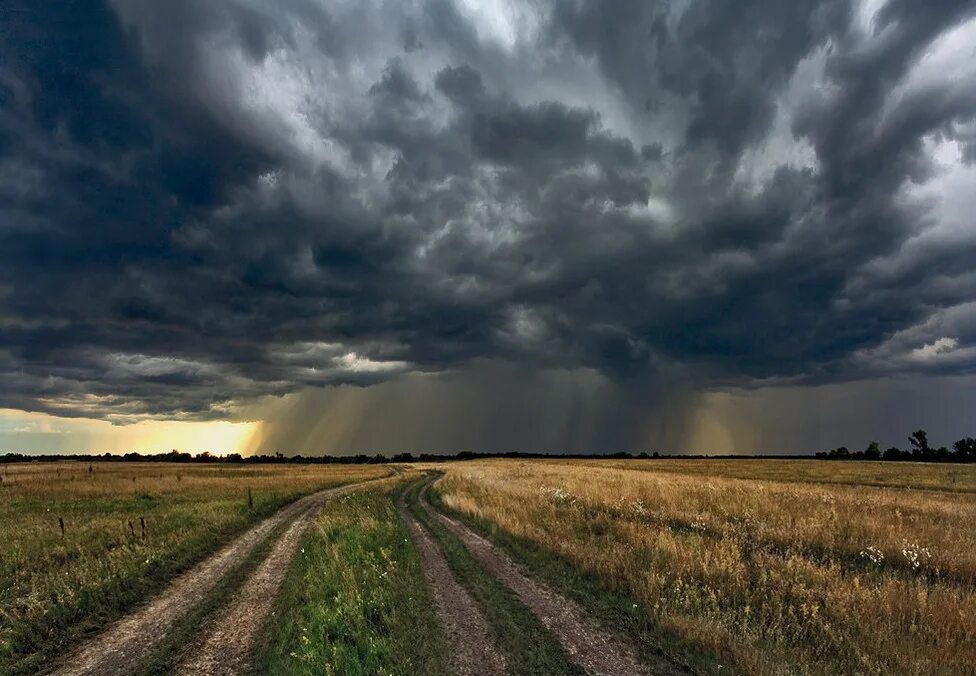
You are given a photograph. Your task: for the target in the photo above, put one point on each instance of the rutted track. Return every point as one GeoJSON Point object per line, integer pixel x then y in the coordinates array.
{"type": "Point", "coordinates": [473, 650]}
{"type": "Point", "coordinates": [119, 648]}
{"type": "Point", "coordinates": [227, 643]}
{"type": "Point", "coordinates": [592, 648]}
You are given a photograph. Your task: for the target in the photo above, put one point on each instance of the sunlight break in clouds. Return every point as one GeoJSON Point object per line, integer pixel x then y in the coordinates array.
{"type": "Point", "coordinates": [42, 433]}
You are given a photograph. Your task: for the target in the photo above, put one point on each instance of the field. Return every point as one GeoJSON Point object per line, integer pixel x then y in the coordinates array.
{"type": "Point", "coordinates": [128, 528]}
{"type": "Point", "coordinates": [622, 567]}
{"type": "Point", "coordinates": [817, 574]}
{"type": "Point", "coordinates": [922, 475]}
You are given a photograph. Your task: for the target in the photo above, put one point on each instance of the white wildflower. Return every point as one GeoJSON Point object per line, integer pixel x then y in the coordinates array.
{"type": "Point", "coordinates": [557, 495]}
{"type": "Point", "coordinates": [915, 554]}
{"type": "Point", "coordinates": [874, 555]}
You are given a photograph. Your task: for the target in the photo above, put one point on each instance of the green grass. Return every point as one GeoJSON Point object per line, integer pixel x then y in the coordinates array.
{"type": "Point", "coordinates": [354, 600]}
{"type": "Point", "coordinates": [56, 589]}
{"type": "Point", "coordinates": [528, 647]}
{"type": "Point", "coordinates": [615, 612]}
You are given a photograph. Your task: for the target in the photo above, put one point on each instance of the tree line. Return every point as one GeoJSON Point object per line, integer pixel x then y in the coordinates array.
{"type": "Point", "coordinates": [360, 459]}
{"type": "Point", "coordinates": [964, 450]}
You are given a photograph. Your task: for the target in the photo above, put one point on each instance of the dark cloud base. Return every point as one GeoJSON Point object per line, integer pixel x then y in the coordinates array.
{"type": "Point", "coordinates": [491, 409]}
{"type": "Point", "coordinates": [205, 205]}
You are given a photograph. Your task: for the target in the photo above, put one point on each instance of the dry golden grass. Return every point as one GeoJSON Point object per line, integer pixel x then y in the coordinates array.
{"type": "Point", "coordinates": [768, 576]}
{"type": "Point", "coordinates": [921, 475]}
{"type": "Point", "coordinates": [54, 586]}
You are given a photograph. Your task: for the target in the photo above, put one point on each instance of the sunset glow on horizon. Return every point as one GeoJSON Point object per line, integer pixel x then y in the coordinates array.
{"type": "Point", "coordinates": [28, 432]}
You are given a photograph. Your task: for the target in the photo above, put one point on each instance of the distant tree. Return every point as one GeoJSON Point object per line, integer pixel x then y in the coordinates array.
{"type": "Point", "coordinates": [895, 453]}
{"type": "Point", "coordinates": [873, 451]}
{"type": "Point", "coordinates": [965, 450]}
{"type": "Point", "coordinates": [919, 440]}
{"type": "Point", "coordinates": [840, 453]}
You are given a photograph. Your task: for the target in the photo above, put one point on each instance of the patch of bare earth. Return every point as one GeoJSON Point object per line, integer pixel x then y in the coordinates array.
{"type": "Point", "coordinates": [119, 648]}
{"type": "Point", "coordinates": [473, 651]}
{"type": "Point", "coordinates": [589, 646]}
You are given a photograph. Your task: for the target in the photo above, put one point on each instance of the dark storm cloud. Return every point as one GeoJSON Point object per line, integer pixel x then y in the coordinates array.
{"type": "Point", "coordinates": [205, 203]}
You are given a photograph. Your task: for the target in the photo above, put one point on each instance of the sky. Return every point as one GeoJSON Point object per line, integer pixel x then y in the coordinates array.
{"type": "Point", "coordinates": [581, 226]}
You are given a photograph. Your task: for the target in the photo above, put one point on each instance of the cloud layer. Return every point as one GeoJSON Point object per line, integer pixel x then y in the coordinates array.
{"type": "Point", "coordinates": [204, 204]}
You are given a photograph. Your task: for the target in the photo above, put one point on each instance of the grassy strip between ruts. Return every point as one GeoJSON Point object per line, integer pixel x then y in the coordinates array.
{"type": "Point", "coordinates": [529, 648]}
{"type": "Point", "coordinates": [183, 635]}
{"type": "Point", "coordinates": [354, 600]}
{"type": "Point", "coordinates": [615, 612]}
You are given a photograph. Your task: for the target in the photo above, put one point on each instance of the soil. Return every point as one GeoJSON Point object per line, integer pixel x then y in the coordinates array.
{"type": "Point", "coordinates": [226, 645]}
{"type": "Point", "coordinates": [473, 651]}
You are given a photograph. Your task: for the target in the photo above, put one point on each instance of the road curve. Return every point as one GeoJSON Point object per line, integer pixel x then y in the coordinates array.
{"type": "Point", "coordinates": [120, 647]}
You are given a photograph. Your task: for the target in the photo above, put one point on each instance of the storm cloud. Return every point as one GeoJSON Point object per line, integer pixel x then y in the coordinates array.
{"type": "Point", "coordinates": [205, 206]}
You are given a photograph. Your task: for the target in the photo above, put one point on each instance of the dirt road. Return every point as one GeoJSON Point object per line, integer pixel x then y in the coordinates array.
{"type": "Point", "coordinates": [473, 651]}
{"type": "Point", "coordinates": [593, 649]}
{"type": "Point", "coordinates": [226, 644]}
{"type": "Point", "coordinates": [123, 644]}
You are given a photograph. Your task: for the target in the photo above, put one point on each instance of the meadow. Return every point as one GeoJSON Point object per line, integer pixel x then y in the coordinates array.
{"type": "Point", "coordinates": [950, 477]}
{"type": "Point", "coordinates": [84, 542]}
{"type": "Point", "coordinates": [707, 566]}
{"type": "Point", "coordinates": [760, 567]}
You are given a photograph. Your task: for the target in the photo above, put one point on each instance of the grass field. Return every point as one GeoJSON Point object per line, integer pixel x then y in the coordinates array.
{"type": "Point", "coordinates": [709, 566]}
{"type": "Point", "coordinates": [128, 527]}
{"type": "Point", "coordinates": [354, 601]}
{"type": "Point", "coordinates": [807, 567]}
{"type": "Point", "coordinates": [921, 475]}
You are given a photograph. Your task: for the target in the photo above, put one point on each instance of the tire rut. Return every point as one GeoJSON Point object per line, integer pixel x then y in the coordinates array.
{"type": "Point", "coordinates": [473, 651]}
{"type": "Point", "coordinates": [120, 647]}
{"type": "Point", "coordinates": [227, 642]}
{"type": "Point", "coordinates": [589, 646]}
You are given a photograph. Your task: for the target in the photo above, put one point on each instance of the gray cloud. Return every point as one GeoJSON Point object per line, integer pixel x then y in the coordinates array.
{"type": "Point", "coordinates": [204, 206]}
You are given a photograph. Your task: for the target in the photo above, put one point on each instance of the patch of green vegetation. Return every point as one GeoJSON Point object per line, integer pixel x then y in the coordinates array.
{"type": "Point", "coordinates": [529, 648]}
{"type": "Point", "coordinates": [354, 600]}
{"type": "Point", "coordinates": [615, 612]}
